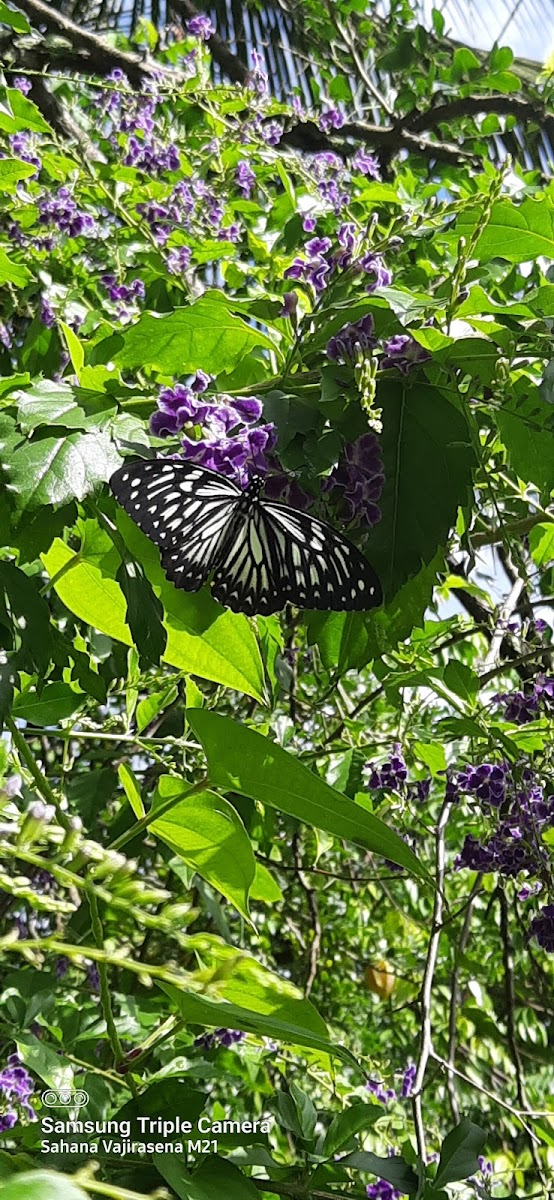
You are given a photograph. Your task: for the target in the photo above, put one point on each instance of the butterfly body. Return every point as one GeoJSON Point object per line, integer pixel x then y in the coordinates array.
{"type": "Point", "coordinates": [259, 554]}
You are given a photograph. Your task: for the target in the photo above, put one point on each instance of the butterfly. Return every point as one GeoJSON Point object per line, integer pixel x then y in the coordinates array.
{"type": "Point", "coordinates": [260, 554]}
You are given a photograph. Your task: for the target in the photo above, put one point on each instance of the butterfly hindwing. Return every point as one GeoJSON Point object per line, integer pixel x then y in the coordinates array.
{"type": "Point", "coordinates": [278, 554]}
{"type": "Point", "coordinates": [184, 509]}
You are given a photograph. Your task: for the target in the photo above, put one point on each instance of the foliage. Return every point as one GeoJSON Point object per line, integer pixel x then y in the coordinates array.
{"type": "Point", "coordinates": [291, 872]}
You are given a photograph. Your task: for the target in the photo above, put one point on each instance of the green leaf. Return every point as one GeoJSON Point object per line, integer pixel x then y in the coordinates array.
{"type": "Point", "coordinates": [74, 348]}
{"type": "Point", "coordinates": [11, 272]}
{"type": "Point", "coordinates": [203, 638]}
{"type": "Point", "coordinates": [15, 20]}
{"type": "Point", "coordinates": [26, 115]}
{"type": "Point", "coordinates": [242, 760]}
{"type": "Point", "coordinates": [394, 1169]}
{"type": "Point", "coordinates": [131, 787]}
{"type": "Point", "coordinates": [8, 678]}
{"type": "Point", "coordinates": [463, 63]}
{"type": "Point", "coordinates": [44, 1062]}
{"type": "Point", "coordinates": [31, 615]}
{"type": "Point", "coordinates": [48, 403]}
{"type": "Point", "coordinates": [215, 1177]}
{"type": "Point", "coordinates": [222, 649]}
{"type": "Point", "coordinates": [144, 615]}
{"type": "Point", "coordinates": [53, 470]}
{"type": "Point", "coordinates": [459, 1153]}
{"type": "Point", "coordinates": [432, 754]}
{"type": "Point", "coordinates": [206, 334]}
{"type": "Point", "coordinates": [530, 445]}
{"type": "Point", "coordinates": [56, 702]}
{"type": "Point", "coordinates": [347, 1124]}
{"type": "Point", "coordinates": [265, 887]}
{"type": "Point", "coordinates": [515, 232]}
{"type": "Point", "coordinates": [425, 437]}
{"type": "Point", "coordinates": [41, 1185]}
{"type": "Point", "coordinates": [154, 704]}
{"type": "Point", "coordinates": [461, 680]}
{"type": "Point", "coordinates": [12, 170]}
{"type": "Point", "coordinates": [307, 1113]}
{"type": "Point", "coordinates": [207, 832]}
{"type": "Point", "coordinates": [541, 544]}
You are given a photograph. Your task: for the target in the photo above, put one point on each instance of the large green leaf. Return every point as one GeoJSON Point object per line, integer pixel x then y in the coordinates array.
{"type": "Point", "coordinates": [459, 1154]}
{"type": "Point", "coordinates": [202, 638]}
{"type": "Point", "coordinates": [215, 1177]}
{"type": "Point", "coordinates": [207, 832]}
{"type": "Point", "coordinates": [12, 272]}
{"type": "Point", "coordinates": [242, 760]}
{"type": "Point", "coordinates": [515, 232]}
{"type": "Point", "coordinates": [41, 1185]}
{"type": "Point", "coordinates": [53, 470]}
{"type": "Point", "coordinates": [206, 334]}
{"type": "Point", "coordinates": [428, 461]}
{"type": "Point", "coordinates": [225, 641]}
{"type": "Point", "coordinates": [526, 427]}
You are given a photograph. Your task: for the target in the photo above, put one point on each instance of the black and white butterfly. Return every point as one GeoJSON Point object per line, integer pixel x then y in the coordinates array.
{"type": "Point", "coordinates": [260, 554]}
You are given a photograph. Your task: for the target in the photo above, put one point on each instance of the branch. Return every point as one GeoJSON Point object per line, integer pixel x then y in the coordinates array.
{"type": "Point", "coordinates": [99, 56]}
{"type": "Point", "coordinates": [506, 610]}
{"type": "Point", "coordinates": [473, 106]}
{"type": "Point", "coordinates": [455, 1001]}
{"type": "Point", "coordinates": [426, 1040]}
{"type": "Point", "coordinates": [313, 906]}
{"type": "Point", "coordinates": [231, 65]}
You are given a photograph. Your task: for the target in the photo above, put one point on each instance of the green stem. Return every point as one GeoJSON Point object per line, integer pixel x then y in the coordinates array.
{"type": "Point", "coordinates": [105, 998]}
{"type": "Point", "coordinates": [40, 779]}
{"type": "Point", "coordinates": [67, 566]}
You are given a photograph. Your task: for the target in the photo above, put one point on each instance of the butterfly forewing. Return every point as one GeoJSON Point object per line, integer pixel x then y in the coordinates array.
{"type": "Point", "coordinates": [183, 508]}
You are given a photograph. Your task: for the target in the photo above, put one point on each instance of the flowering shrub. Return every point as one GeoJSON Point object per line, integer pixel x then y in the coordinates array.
{"type": "Point", "coordinates": [211, 823]}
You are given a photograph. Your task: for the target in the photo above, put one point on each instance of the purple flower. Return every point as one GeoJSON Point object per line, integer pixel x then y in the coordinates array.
{"type": "Point", "coordinates": [289, 306]}
{"type": "Point", "coordinates": [286, 489]}
{"type": "Point", "coordinates": [200, 26]}
{"type": "Point", "coordinates": [352, 338]}
{"type": "Point", "coordinates": [256, 77]}
{"type": "Point", "coordinates": [93, 977]}
{"type": "Point", "coordinates": [16, 1089]}
{"type": "Point", "coordinates": [151, 156]}
{"type": "Point", "coordinates": [22, 146]}
{"type": "Point", "coordinates": [178, 260]}
{"type": "Point", "coordinates": [373, 265]}
{"type": "Point", "coordinates": [62, 966]}
{"type": "Point", "coordinates": [488, 782]}
{"type": "Point", "coordinates": [542, 928]}
{"type": "Point", "coordinates": [245, 178]}
{"type": "Point", "coordinates": [222, 1037]}
{"type": "Point", "coordinates": [332, 119]}
{"type": "Point", "coordinates": [360, 477]}
{"type": "Point", "coordinates": [47, 314]}
{"type": "Point", "coordinates": [272, 133]}
{"type": "Point", "coordinates": [22, 84]}
{"type": "Point", "coordinates": [379, 1090]}
{"type": "Point", "coordinates": [201, 382]}
{"type": "Point", "coordinates": [366, 164]}
{"type": "Point", "coordinates": [231, 233]}
{"type": "Point", "coordinates": [408, 1080]}
{"type": "Point", "coordinates": [318, 245]}
{"type": "Point", "coordinates": [382, 1191]}
{"type": "Point", "coordinates": [392, 775]}
{"type": "Point", "coordinates": [309, 224]}
{"type": "Point", "coordinates": [403, 352]}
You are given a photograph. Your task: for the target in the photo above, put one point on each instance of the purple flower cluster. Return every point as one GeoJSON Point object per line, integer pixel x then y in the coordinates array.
{"type": "Point", "coordinates": [359, 479]}
{"type": "Point", "coordinates": [16, 1089]}
{"type": "Point", "coordinates": [152, 156]}
{"type": "Point", "coordinates": [542, 928]}
{"type": "Point", "coordinates": [47, 314]}
{"type": "Point", "coordinates": [220, 1037]}
{"type": "Point", "coordinates": [524, 813]}
{"type": "Point", "coordinates": [200, 26]}
{"type": "Point", "coordinates": [60, 211]}
{"type": "Point", "coordinates": [521, 707]}
{"type": "Point", "coordinates": [231, 442]}
{"type": "Point", "coordinates": [353, 337]}
{"type": "Point", "coordinates": [408, 1080]}
{"type": "Point", "coordinates": [319, 265]}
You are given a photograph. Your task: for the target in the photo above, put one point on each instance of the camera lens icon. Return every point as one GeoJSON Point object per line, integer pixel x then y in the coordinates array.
{"type": "Point", "coordinates": [65, 1098]}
